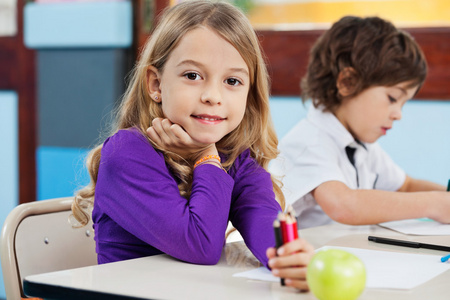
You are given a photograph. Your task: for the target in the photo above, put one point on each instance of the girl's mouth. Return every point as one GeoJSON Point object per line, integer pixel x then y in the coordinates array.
{"type": "Point", "coordinates": [208, 119]}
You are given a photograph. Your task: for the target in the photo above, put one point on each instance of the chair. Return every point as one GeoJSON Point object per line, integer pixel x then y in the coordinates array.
{"type": "Point", "coordinates": [37, 238]}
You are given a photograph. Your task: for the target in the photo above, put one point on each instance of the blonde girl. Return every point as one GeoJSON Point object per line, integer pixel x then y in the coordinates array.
{"type": "Point", "coordinates": [202, 86]}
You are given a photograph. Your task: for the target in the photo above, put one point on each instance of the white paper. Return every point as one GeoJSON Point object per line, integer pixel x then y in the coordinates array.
{"type": "Point", "coordinates": [261, 273]}
{"type": "Point", "coordinates": [384, 270]}
{"type": "Point", "coordinates": [418, 227]}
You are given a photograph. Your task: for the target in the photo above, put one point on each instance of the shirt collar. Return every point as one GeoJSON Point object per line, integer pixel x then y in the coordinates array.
{"type": "Point", "coordinates": [328, 122]}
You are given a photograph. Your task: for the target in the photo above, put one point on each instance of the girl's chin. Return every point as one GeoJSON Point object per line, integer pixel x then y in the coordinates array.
{"type": "Point", "coordinates": [207, 141]}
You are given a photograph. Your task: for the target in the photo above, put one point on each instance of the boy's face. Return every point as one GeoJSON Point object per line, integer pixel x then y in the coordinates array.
{"type": "Point", "coordinates": [370, 114]}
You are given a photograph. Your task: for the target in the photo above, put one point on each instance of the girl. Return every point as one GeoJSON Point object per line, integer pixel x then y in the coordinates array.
{"type": "Point", "coordinates": [171, 188]}
{"type": "Point", "coordinates": [361, 72]}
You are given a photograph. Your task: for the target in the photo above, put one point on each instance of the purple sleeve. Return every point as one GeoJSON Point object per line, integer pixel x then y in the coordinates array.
{"type": "Point", "coordinates": [137, 191]}
{"type": "Point", "coordinates": [254, 207]}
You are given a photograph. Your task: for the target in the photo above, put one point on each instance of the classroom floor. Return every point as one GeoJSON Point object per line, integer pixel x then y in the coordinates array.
{"type": "Point", "coordinates": [318, 14]}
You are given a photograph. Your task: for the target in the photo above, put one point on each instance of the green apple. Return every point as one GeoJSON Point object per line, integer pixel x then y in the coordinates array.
{"type": "Point", "coordinates": [335, 274]}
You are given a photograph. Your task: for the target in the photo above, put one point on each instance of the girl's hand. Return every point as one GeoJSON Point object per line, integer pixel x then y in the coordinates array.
{"type": "Point", "coordinates": [174, 138]}
{"type": "Point", "coordinates": [291, 262]}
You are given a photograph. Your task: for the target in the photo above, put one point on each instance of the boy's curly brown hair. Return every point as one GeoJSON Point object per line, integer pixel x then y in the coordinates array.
{"type": "Point", "coordinates": [376, 52]}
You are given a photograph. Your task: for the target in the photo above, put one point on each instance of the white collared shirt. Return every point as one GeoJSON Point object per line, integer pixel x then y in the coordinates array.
{"type": "Point", "coordinates": [313, 152]}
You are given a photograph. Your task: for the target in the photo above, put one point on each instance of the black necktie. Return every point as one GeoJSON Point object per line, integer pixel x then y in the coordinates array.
{"type": "Point", "coordinates": [351, 154]}
{"type": "Point", "coordinates": [351, 157]}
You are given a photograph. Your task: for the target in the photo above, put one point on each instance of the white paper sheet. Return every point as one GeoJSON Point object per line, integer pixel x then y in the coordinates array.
{"type": "Point", "coordinates": [385, 270]}
{"type": "Point", "coordinates": [418, 227]}
{"type": "Point", "coordinates": [261, 273]}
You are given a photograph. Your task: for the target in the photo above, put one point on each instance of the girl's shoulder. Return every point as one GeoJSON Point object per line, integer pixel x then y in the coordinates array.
{"type": "Point", "coordinates": [244, 157]}
{"type": "Point", "coordinates": [124, 137]}
{"type": "Point", "coordinates": [245, 162]}
{"type": "Point", "coordinates": [127, 142]}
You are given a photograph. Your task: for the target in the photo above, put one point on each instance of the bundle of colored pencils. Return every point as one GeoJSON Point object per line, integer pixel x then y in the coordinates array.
{"type": "Point", "coordinates": [285, 228]}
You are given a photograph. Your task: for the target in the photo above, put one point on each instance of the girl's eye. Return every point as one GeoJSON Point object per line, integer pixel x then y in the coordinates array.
{"type": "Point", "coordinates": [392, 99]}
{"type": "Point", "coordinates": [233, 81]}
{"type": "Point", "coordinates": [192, 76]}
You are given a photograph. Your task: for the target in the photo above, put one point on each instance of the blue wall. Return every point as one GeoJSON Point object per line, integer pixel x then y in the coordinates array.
{"type": "Point", "coordinates": [9, 190]}
{"type": "Point", "coordinates": [418, 142]}
{"type": "Point", "coordinates": [60, 171]}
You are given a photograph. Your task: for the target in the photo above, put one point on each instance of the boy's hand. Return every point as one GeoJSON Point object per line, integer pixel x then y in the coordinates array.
{"type": "Point", "coordinates": [174, 138]}
{"type": "Point", "coordinates": [440, 209]}
{"type": "Point", "coordinates": [291, 262]}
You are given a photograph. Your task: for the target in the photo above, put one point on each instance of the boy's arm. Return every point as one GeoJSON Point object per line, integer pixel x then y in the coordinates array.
{"type": "Point", "coordinates": [362, 207]}
{"type": "Point", "coordinates": [418, 185]}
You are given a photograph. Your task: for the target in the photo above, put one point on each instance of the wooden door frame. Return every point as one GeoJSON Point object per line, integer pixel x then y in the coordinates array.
{"type": "Point", "coordinates": [17, 73]}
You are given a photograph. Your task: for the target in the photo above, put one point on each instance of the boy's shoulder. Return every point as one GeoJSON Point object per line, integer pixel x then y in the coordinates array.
{"type": "Point", "coordinates": [305, 134]}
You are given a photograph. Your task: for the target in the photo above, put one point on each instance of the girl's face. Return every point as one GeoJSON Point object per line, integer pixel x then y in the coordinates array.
{"type": "Point", "coordinates": [370, 114]}
{"type": "Point", "coordinates": [204, 86]}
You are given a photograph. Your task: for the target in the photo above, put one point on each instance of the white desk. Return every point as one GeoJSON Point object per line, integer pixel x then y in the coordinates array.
{"type": "Point", "coordinates": [162, 277]}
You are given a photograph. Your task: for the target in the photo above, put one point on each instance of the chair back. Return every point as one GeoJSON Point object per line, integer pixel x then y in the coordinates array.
{"type": "Point", "coordinates": [38, 238]}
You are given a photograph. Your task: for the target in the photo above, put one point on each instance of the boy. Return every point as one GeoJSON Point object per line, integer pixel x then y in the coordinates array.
{"type": "Point", "coordinates": [360, 74]}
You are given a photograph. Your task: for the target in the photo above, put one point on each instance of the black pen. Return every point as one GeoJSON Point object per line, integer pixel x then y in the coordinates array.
{"type": "Point", "coordinates": [278, 240]}
{"type": "Point", "coordinates": [408, 243]}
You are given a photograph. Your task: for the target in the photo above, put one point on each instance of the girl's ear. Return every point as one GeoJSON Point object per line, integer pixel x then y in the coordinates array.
{"type": "Point", "coordinates": [346, 81]}
{"type": "Point", "coordinates": [154, 84]}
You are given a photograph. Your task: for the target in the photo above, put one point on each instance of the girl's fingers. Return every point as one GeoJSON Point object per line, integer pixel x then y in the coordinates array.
{"type": "Point", "coordinates": [153, 135]}
{"type": "Point", "coordinates": [271, 253]}
{"type": "Point", "coordinates": [166, 133]}
{"type": "Point", "coordinates": [157, 126]}
{"type": "Point", "coordinates": [157, 133]}
{"type": "Point", "coordinates": [294, 277]}
{"type": "Point", "coordinates": [174, 135]}
{"type": "Point", "coordinates": [168, 139]}
{"type": "Point", "coordinates": [295, 246]}
{"type": "Point", "coordinates": [181, 135]}
{"type": "Point", "coordinates": [292, 273]}
{"type": "Point", "coordinates": [296, 259]}
{"type": "Point", "coordinates": [166, 126]}
{"type": "Point", "coordinates": [297, 283]}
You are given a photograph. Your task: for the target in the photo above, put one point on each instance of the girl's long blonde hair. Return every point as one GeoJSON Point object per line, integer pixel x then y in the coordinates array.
{"type": "Point", "coordinates": [256, 131]}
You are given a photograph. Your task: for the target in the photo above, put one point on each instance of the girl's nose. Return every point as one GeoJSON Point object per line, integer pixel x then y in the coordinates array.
{"type": "Point", "coordinates": [211, 95]}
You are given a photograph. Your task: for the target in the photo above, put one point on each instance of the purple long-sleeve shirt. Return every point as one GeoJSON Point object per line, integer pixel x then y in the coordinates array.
{"type": "Point", "coordinates": [138, 210]}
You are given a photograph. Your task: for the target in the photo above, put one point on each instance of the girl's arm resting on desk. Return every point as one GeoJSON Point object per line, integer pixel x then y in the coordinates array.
{"type": "Point", "coordinates": [253, 210]}
{"type": "Point", "coordinates": [361, 207]}
{"type": "Point", "coordinates": [137, 191]}
{"type": "Point", "coordinates": [253, 206]}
